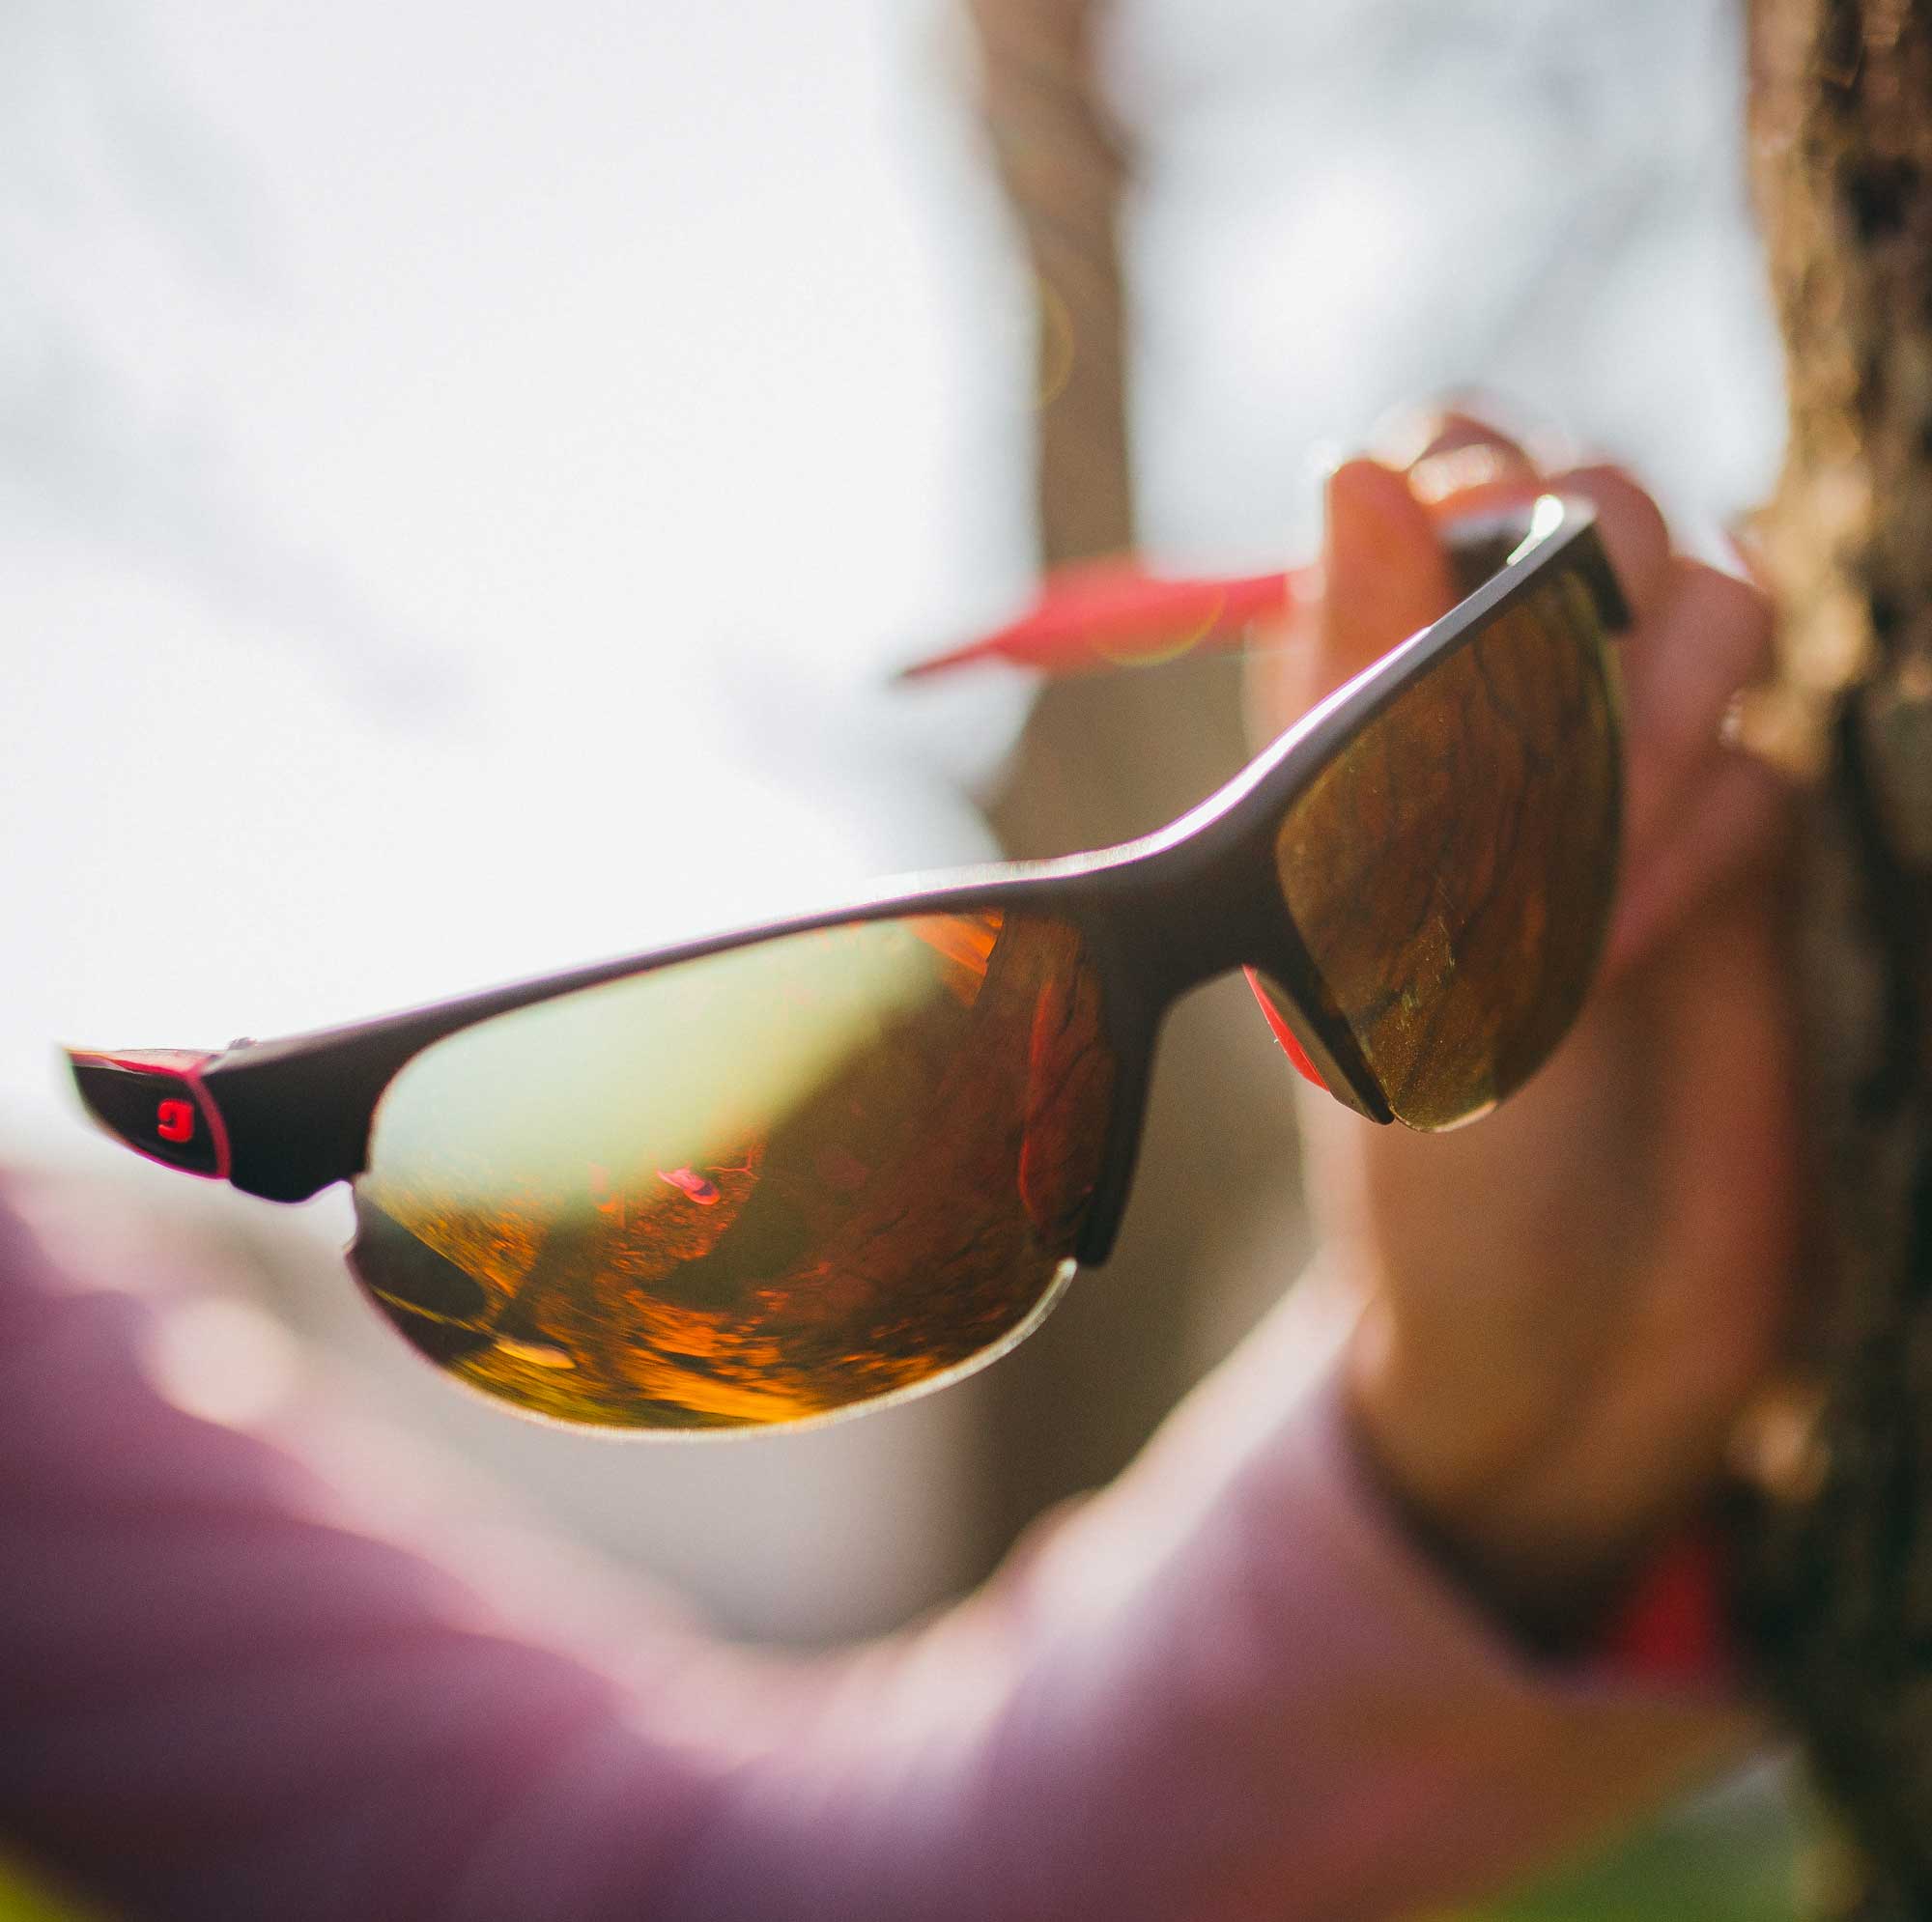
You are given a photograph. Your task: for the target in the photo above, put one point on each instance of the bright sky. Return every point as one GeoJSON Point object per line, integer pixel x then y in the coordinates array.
{"type": "Point", "coordinates": [464, 468]}
{"type": "Point", "coordinates": [464, 473]}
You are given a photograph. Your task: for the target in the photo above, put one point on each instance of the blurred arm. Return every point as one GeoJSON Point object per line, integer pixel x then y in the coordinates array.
{"type": "Point", "coordinates": [1225, 1688]}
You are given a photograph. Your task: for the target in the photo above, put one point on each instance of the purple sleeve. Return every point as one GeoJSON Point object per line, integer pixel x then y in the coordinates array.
{"type": "Point", "coordinates": [1224, 1688]}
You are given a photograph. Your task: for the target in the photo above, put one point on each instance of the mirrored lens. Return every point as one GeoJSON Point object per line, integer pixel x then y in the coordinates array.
{"type": "Point", "coordinates": [1451, 871]}
{"type": "Point", "coordinates": [758, 1187]}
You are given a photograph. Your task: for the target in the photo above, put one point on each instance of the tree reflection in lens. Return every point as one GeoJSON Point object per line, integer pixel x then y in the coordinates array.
{"type": "Point", "coordinates": [1451, 872]}
{"type": "Point", "coordinates": [757, 1187]}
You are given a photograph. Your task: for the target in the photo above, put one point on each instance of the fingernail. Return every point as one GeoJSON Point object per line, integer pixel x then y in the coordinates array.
{"type": "Point", "coordinates": [1465, 417]}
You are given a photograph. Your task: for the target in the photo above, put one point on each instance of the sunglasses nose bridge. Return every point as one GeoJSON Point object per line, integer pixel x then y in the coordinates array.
{"type": "Point", "coordinates": [1198, 912]}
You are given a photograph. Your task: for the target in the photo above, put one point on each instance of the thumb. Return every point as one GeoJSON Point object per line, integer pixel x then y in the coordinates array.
{"type": "Point", "coordinates": [1385, 574]}
{"type": "Point", "coordinates": [1384, 570]}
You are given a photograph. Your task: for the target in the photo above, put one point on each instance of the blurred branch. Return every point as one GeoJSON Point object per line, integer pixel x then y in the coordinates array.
{"type": "Point", "coordinates": [1104, 758]}
{"type": "Point", "coordinates": [1064, 167]}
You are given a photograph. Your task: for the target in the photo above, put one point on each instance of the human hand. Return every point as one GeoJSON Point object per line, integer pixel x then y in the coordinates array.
{"type": "Point", "coordinates": [1570, 1303]}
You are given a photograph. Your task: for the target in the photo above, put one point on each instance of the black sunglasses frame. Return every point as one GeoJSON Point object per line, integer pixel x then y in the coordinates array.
{"type": "Point", "coordinates": [1157, 917]}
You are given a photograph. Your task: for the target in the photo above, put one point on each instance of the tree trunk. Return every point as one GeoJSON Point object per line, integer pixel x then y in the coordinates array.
{"type": "Point", "coordinates": [1838, 1598]}
{"type": "Point", "coordinates": [1104, 758]}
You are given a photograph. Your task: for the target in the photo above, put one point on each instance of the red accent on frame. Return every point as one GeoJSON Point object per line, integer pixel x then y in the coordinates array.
{"type": "Point", "coordinates": [1109, 614]}
{"type": "Point", "coordinates": [1285, 1034]}
{"type": "Point", "coordinates": [145, 1061]}
{"type": "Point", "coordinates": [174, 1121]}
{"type": "Point", "coordinates": [186, 1064]}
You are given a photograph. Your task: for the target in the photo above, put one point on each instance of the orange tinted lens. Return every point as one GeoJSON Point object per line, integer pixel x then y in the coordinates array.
{"type": "Point", "coordinates": [1451, 871]}
{"type": "Point", "coordinates": [753, 1188]}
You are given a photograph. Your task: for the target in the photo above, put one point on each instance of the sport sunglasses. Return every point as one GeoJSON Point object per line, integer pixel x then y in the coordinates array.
{"type": "Point", "coordinates": [777, 1175]}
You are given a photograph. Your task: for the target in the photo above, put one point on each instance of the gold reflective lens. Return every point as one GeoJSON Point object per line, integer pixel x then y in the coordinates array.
{"type": "Point", "coordinates": [1451, 871]}
{"type": "Point", "coordinates": [753, 1188]}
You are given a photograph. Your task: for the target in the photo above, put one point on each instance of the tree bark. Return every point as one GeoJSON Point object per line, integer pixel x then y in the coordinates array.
{"type": "Point", "coordinates": [1839, 1595]}
{"type": "Point", "coordinates": [1103, 758]}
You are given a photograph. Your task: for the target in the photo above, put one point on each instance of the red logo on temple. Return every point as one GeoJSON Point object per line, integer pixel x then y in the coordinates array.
{"type": "Point", "coordinates": [174, 1121]}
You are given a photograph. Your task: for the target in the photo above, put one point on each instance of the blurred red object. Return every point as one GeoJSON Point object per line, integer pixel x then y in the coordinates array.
{"type": "Point", "coordinates": [1111, 613]}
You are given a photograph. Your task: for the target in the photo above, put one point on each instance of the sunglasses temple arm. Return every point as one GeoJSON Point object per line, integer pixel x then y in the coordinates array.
{"type": "Point", "coordinates": [153, 1101]}
{"type": "Point", "coordinates": [1104, 614]}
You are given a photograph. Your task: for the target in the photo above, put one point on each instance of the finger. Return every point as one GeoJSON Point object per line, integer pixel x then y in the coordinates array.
{"type": "Point", "coordinates": [1411, 434]}
{"type": "Point", "coordinates": [1477, 471]}
{"type": "Point", "coordinates": [1467, 467]}
{"type": "Point", "coordinates": [1632, 527]}
{"type": "Point", "coordinates": [1711, 635]}
{"type": "Point", "coordinates": [1383, 576]}
{"type": "Point", "coordinates": [1386, 574]}
{"type": "Point", "coordinates": [1739, 816]}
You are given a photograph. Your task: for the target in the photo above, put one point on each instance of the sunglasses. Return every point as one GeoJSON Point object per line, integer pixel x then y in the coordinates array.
{"type": "Point", "coordinates": [778, 1175]}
